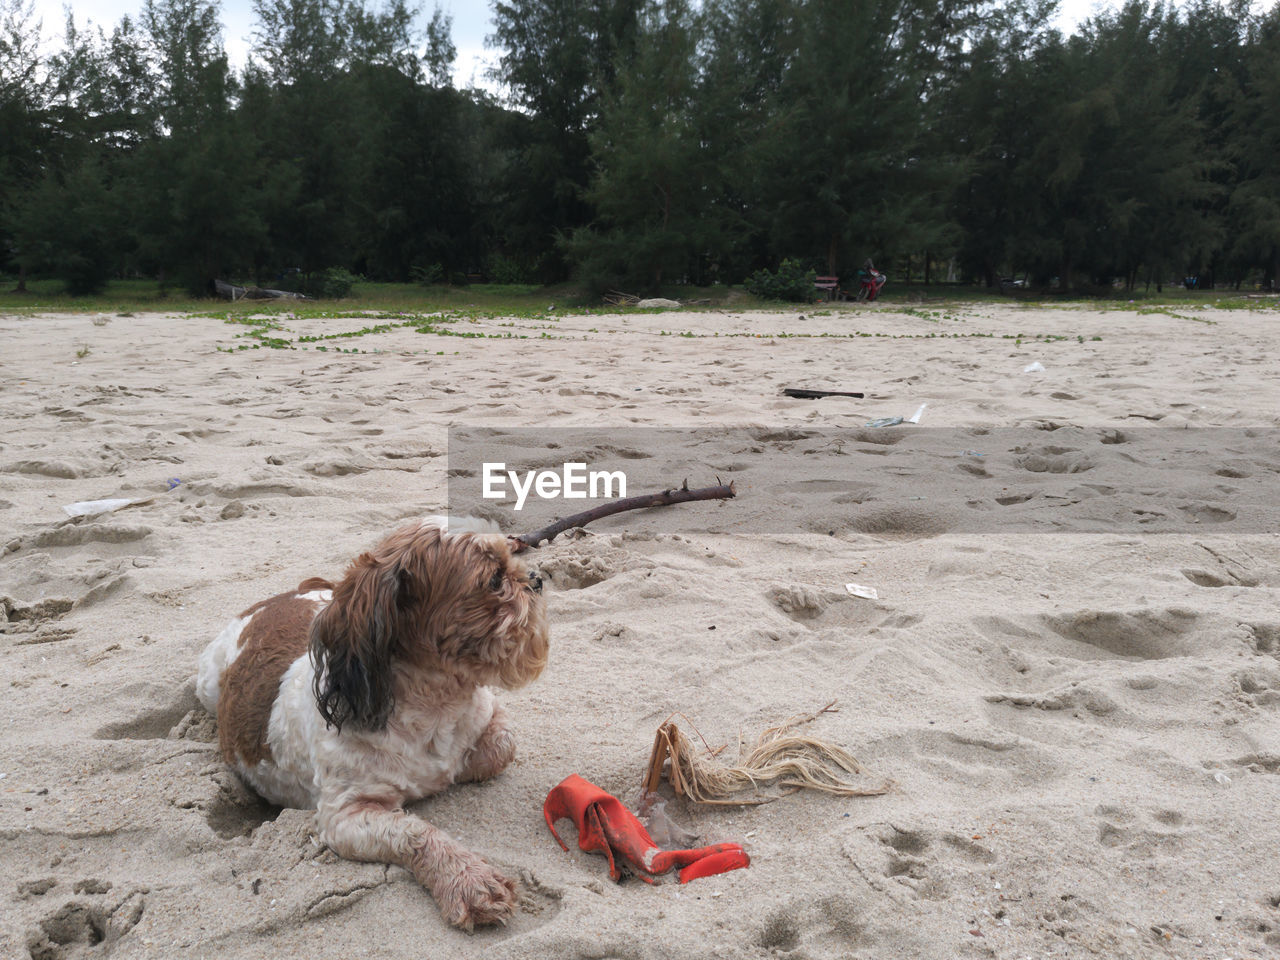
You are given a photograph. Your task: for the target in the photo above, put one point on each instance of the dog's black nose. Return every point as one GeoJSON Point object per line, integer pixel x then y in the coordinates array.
{"type": "Point", "coordinates": [535, 581]}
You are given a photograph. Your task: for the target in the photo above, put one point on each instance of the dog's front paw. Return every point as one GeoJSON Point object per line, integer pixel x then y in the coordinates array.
{"type": "Point", "coordinates": [491, 754]}
{"type": "Point", "coordinates": [475, 894]}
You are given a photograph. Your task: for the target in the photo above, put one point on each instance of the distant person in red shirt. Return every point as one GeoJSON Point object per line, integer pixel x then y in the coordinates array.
{"type": "Point", "coordinates": [870, 281]}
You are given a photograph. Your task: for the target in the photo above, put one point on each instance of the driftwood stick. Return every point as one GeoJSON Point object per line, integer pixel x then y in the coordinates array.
{"type": "Point", "coordinates": [800, 393]}
{"type": "Point", "coordinates": [528, 541]}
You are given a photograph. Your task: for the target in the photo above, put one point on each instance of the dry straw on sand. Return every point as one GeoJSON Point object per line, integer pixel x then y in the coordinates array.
{"type": "Point", "coordinates": [780, 757]}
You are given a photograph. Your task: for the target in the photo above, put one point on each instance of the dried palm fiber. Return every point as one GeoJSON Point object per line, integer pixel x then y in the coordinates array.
{"type": "Point", "coordinates": [780, 757]}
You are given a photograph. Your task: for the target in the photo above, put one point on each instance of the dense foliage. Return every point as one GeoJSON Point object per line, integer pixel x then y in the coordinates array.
{"type": "Point", "coordinates": [646, 142]}
{"type": "Point", "coordinates": [791, 281]}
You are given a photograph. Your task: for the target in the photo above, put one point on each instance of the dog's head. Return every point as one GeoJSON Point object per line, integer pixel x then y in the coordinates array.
{"type": "Point", "coordinates": [426, 601]}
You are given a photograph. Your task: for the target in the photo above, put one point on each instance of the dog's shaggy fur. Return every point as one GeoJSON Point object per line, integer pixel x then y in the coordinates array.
{"type": "Point", "coordinates": [356, 697]}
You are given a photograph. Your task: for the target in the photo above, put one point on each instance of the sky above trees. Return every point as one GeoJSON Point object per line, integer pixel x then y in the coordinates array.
{"type": "Point", "coordinates": [472, 22]}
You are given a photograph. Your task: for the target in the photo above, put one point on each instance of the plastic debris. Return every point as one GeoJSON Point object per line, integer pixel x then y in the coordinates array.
{"type": "Point", "coordinates": [1036, 367]}
{"type": "Point", "coordinates": [606, 826]}
{"type": "Point", "coordinates": [665, 832]}
{"type": "Point", "coordinates": [1222, 778]}
{"type": "Point", "coordinates": [894, 421]}
{"type": "Point", "coordinates": [858, 590]}
{"type": "Point", "coordinates": [91, 508]}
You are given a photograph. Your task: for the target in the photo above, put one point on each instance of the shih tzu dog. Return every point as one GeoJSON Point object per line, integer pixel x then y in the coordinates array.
{"type": "Point", "coordinates": [355, 698]}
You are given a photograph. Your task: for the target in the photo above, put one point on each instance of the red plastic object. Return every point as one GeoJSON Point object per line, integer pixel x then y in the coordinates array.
{"type": "Point", "coordinates": [606, 826]}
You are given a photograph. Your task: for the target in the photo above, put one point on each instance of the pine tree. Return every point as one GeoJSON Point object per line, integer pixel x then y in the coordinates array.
{"type": "Point", "coordinates": [559, 59]}
{"type": "Point", "coordinates": [848, 166]}
{"type": "Point", "coordinates": [653, 174]}
{"type": "Point", "coordinates": [24, 130]}
{"type": "Point", "coordinates": [1253, 145]}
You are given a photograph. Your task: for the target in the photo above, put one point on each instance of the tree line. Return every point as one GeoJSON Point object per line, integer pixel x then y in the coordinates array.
{"type": "Point", "coordinates": [642, 143]}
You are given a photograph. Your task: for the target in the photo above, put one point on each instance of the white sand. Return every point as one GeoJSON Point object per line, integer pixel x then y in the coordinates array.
{"type": "Point", "coordinates": [1084, 730]}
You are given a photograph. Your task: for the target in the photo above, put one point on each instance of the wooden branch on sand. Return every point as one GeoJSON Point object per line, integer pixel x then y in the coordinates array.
{"type": "Point", "coordinates": [800, 393]}
{"type": "Point", "coordinates": [528, 541]}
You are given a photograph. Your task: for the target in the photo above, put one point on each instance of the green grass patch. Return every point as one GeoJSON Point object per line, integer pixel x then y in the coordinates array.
{"type": "Point", "coordinates": [394, 302]}
{"type": "Point", "coordinates": [138, 296]}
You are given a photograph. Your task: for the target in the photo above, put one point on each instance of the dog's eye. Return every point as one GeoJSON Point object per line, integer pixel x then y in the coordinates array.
{"type": "Point", "coordinates": [496, 581]}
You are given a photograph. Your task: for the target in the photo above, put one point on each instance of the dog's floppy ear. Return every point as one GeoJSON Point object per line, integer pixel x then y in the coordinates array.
{"type": "Point", "coordinates": [354, 645]}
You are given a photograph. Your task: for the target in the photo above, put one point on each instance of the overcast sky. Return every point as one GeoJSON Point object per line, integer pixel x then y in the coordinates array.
{"type": "Point", "coordinates": [470, 26]}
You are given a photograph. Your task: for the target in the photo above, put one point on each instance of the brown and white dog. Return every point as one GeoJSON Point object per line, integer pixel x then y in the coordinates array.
{"type": "Point", "coordinates": [357, 697]}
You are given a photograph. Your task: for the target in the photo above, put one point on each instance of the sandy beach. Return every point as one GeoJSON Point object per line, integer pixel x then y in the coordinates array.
{"type": "Point", "coordinates": [1082, 725]}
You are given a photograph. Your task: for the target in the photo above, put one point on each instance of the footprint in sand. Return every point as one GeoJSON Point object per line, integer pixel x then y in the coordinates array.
{"type": "Point", "coordinates": [234, 810]}
{"type": "Point", "coordinates": [55, 469]}
{"type": "Point", "coordinates": [1076, 696]}
{"type": "Point", "coordinates": [1235, 470]}
{"type": "Point", "coordinates": [1013, 499]}
{"type": "Point", "coordinates": [76, 533]}
{"type": "Point", "coordinates": [409, 451]}
{"type": "Point", "coordinates": [1258, 686]}
{"type": "Point", "coordinates": [1146, 634]}
{"type": "Point", "coordinates": [801, 603]}
{"type": "Point", "coordinates": [1207, 513]}
{"type": "Point", "coordinates": [823, 926]}
{"type": "Point", "coordinates": [255, 486]}
{"type": "Point", "coordinates": [570, 571]}
{"type": "Point", "coordinates": [85, 928]}
{"type": "Point", "coordinates": [915, 862]}
{"type": "Point", "coordinates": [1265, 637]}
{"type": "Point", "coordinates": [30, 889]}
{"type": "Point", "coordinates": [1268, 763]}
{"type": "Point", "coordinates": [153, 723]}
{"type": "Point", "coordinates": [988, 759]}
{"type": "Point", "coordinates": [1139, 834]}
{"type": "Point", "coordinates": [21, 618]}
{"type": "Point", "coordinates": [60, 588]}
{"type": "Point", "coordinates": [1225, 578]}
{"type": "Point", "coordinates": [1055, 460]}
{"type": "Point", "coordinates": [331, 467]}
{"type": "Point", "coordinates": [899, 523]}
{"type": "Point", "coordinates": [777, 436]}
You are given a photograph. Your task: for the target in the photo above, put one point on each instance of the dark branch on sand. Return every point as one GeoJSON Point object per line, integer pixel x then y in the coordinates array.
{"type": "Point", "coordinates": [528, 541]}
